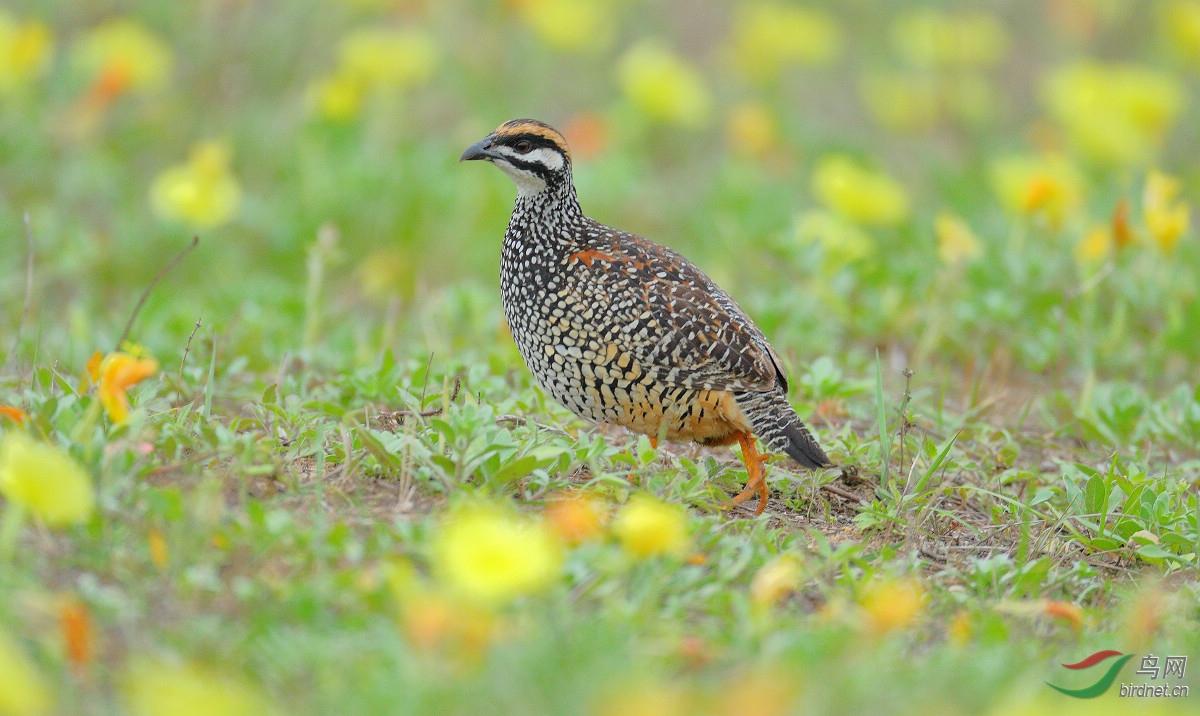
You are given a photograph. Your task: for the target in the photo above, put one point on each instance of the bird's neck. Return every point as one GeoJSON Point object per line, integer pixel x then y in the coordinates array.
{"type": "Point", "coordinates": [541, 217]}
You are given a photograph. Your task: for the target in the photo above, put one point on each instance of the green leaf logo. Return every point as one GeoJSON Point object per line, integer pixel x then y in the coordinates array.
{"type": "Point", "coordinates": [1091, 692]}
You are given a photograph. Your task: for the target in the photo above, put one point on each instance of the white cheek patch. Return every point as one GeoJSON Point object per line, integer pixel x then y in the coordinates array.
{"type": "Point", "coordinates": [528, 183]}
{"type": "Point", "coordinates": [551, 159]}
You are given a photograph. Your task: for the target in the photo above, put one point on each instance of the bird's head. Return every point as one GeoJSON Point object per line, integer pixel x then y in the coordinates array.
{"type": "Point", "coordinates": [533, 153]}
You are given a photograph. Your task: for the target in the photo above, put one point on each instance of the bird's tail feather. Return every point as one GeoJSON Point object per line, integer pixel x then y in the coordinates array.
{"type": "Point", "coordinates": [775, 421]}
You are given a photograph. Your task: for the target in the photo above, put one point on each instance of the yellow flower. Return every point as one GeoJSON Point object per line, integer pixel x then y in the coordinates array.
{"type": "Point", "coordinates": [433, 620]}
{"type": "Point", "coordinates": [901, 101]}
{"type": "Point", "coordinates": [569, 24]}
{"type": "Point", "coordinates": [956, 243]}
{"type": "Point", "coordinates": [959, 631]}
{"type": "Point", "coordinates": [155, 688]}
{"type": "Point", "coordinates": [775, 581]}
{"type": "Point", "coordinates": [890, 605]}
{"type": "Point", "coordinates": [1047, 186]}
{"type": "Point", "coordinates": [380, 57]}
{"type": "Point", "coordinates": [768, 36]}
{"type": "Point", "coordinates": [372, 60]}
{"type": "Point", "coordinates": [1166, 219]}
{"type": "Point", "coordinates": [842, 243]}
{"type": "Point", "coordinates": [929, 38]}
{"type": "Point", "coordinates": [1097, 244]}
{"type": "Point", "coordinates": [663, 86]}
{"type": "Point", "coordinates": [383, 273]}
{"type": "Point", "coordinates": [203, 191]}
{"type": "Point", "coordinates": [577, 518]}
{"type": "Point", "coordinates": [489, 556]}
{"type": "Point", "coordinates": [859, 194]}
{"type": "Point", "coordinates": [1114, 114]}
{"type": "Point", "coordinates": [371, 5]}
{"type": "Point", "coordinates": [23, 689]}
{"type": "Point", "coordinates": [26, 50]}
{"type": "Point", "coordinates": [968, 97]}
{"type": "Point", "coordinates": [1145, 612]}
{"type": "Point", "coordinates": [759, 690]}
{"type": "Point", "coordinates": [1181, 25]}
{"type": "Point", "coordinates": [916, 100]}
{"type": "Point", "coordinates": [644, 697]}
{"type": "Point", "coordinates": [45, 480]}
{"type": "Point", "coordinates": [157, 543]}
{"type": "Point", "coordinates": [752, 130]}
{"type": "Point", "coordinates": [118, 372]}
{"type": "Point", "coordinates": [647, 527]}
{"type": "Point", "coordinates": [123, 56]}
{"type": "Point", "coordinates": [337, 97]}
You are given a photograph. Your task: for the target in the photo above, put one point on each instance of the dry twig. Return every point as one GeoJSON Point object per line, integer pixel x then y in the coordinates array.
{"type": "Point", "coordinates": [146, 294]}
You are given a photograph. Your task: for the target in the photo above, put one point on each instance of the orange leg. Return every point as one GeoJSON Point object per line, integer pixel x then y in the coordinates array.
{"type": "Point", "coordinates": [756, 482]}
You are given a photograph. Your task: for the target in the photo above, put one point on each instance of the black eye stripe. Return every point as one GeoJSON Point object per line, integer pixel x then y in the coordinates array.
{"type": "Point", "coordinates": [534, 167]}
{"type": "Point", "coordinates": [536, 141]}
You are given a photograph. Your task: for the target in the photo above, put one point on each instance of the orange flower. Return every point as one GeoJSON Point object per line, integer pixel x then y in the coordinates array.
{"type": "Point", "coordinates": [76, 625]}
{"type": "Point", "coordinates": [122, 56]}
{"type": "Point", "coordinates": [118, 372]}
{"type": "Point", "coordinates": [587, 133]}
{"type": "Point", "coordinates": [1121, 230]}
{"type": "Point", "coordinates": [16, 415]}
{"type": "Point", "coordinates": [576, 518]}
{"type": "Point", "coordinates": [1068, 612]}
{"type": "Point", "coordinates": [91, 371]}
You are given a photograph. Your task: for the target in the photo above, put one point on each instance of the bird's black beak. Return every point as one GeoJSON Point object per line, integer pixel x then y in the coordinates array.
{"type": "Point", "coordinates": [478, 150]}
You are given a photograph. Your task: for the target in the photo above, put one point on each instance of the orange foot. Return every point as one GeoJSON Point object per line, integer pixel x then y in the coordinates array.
{"type": "Point", "coordinates": [756, 482]}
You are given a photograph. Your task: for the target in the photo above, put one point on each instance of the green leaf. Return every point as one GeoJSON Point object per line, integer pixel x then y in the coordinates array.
{"type": "Point", "coordinates": [514, 470]}
{"type": "Point", "coordinates": [1104, 544]}
{"type": "Point", "coordinates": [937, 461]}
{"type": "Point", "coordinates": [389, 461]}
{"type": "Point", "coordinates": [1095, 496]}
{"type": "Point", "coordinates": [645, 453]}
{"type": "Point", "coordinates": [1031, 578]}
{"type": "Point", "coordinates": [1153, 551]}
{"type": "Point", "coordinates": [1042, 495]}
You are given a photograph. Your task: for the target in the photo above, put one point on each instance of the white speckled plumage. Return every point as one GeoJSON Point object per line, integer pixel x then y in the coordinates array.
{"type": "Point", "coordinates": [622, 330]}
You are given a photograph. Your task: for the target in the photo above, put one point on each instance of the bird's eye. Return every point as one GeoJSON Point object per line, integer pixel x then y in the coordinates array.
{"type": "Point", "coordinates": [523, 146]}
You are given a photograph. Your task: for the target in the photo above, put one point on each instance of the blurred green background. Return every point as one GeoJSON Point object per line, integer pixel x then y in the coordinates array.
{"type": "Point", "coordinates": [970, 186]}
{"type": "Point", "coordinates": [996, 195]}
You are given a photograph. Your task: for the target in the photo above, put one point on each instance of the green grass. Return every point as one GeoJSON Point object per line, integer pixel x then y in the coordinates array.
{"type": "Point", "coordinates": [1017, 434]}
